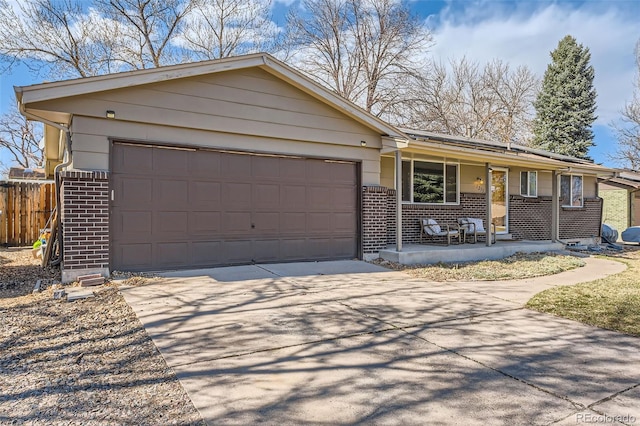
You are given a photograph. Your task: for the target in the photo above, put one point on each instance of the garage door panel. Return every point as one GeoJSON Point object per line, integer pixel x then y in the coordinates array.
{"type": "Point", "coordinates": [343, 222]}
{"type": "Point", "coordinates": [319, 222]}
{"type": "Point", "coordinates": [133, 192]}
{"type": "Point", "coordinates": [172, 254]}
{"type": "Point", "coordinates": [266, 197]}
{"type": "Point", "coordinates": [203, 195]}
{"type": "Point", "coordinates": [134, 225]}
{"type": "Point", "coordinates": [293, 222]}
{"type": "Point", "coordinates": [205, 164]}
{"type": "Point", "coordinates": [170, 193]}
{"type": "Point", "coordinates": [341, 198]}
{"type": "Point", "coordinates": [236, 196]}
{"type": "Point", "coordinates": [293, 248]}
{"type": "Point", "coordinates": [266, 250]}
{"type": "Point", "coordinates": [237, 166]}
{"type": "Point", "coordinates": [319, 171]}
{"type": "Point", "coordinates": [236, 223]}
{"type": "Point", "coordinates": [319, 198]}
{"type": "Point", "coordinates": [266, 223]}
{"type": "Point", "coordinates": [344, 247]}
{"type": "Point", "coordinates": [319, 248]}
{"type": "Point", "coordinates": [293, 197]}
{"type": "Point", "coordinates": [293, 170]}
{"type": "Point", "coordinates": [341, 173]}
{"type": "Point", "coordinates": [133, 256]}
{"type": "Point", "coordinates": [189, 208]}
{"type": "Point", "coordinates": [172, 162]}
{"type": "Point", "coordinates": [238, 251]}
{"type": "Point", "coordinates": [266, 168]}
{"type": "Point", "coordinates": [205, 223]}
{"type": "Point", "coordinates": [133, 159]}
{"type": "Point", "coordinates": [170, 224]}
{"type": "Point", "coordinates": [204, 253]}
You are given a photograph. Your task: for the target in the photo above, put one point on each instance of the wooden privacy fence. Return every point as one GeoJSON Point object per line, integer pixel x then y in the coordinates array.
{"type": "Point", "coordinates": [25, 208]}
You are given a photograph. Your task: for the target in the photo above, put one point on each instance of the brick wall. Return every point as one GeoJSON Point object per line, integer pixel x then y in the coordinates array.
{"type": "Point", "coordinates": [374, 218]}
{"type": "Point", "coordinates": [582, 222]}
{"type": "Point", "coordinates": [530, 218]}
{"type": "Point", "coordinates": [85, 223]}
{"type": "Point", "coordinates": [471, 205]}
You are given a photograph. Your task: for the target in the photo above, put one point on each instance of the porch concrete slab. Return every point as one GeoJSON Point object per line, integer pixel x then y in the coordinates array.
{"type": "Point", "coordinates": [520, 291]}
{"type": "Point", "coordinates": [568, 359]}
{"type": "Point", "coordinates": [384, 378]}
{"type": "Point", "coordinates": [423, 254]}
{"type": "Point", "coordinates": [625, 404]}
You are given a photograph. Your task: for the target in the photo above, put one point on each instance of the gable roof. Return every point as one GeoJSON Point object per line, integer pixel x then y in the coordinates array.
{"type": "Point", "coordinates": [81, 86]}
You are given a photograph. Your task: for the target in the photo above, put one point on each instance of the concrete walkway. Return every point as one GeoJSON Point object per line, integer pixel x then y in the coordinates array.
{"type": "Point", "coordinates": [350, 342]}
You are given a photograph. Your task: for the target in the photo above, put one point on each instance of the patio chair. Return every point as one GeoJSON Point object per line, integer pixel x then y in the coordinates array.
{"type": "Point", "coordinates": [431, 229]}
{"type": "Point", "coordinates": [475, 227]}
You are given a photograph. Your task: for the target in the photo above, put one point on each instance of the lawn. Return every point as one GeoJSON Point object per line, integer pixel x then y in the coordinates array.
{"type": "Point", "coordinates": [518, 266]}
{"type": "Point", "coordinates": [612, 303]}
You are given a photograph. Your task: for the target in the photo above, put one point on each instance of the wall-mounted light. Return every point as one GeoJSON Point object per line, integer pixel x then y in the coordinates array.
{"type": "Point", "coordinates": [363, 143]}
{"type": "Point", "coordinates": [479, 183]}
{"type": "Point", "coordinates": [111, 114]}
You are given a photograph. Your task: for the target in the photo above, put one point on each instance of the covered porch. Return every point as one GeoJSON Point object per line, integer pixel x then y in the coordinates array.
{"type": "Point", "coordinates": [413, 254]}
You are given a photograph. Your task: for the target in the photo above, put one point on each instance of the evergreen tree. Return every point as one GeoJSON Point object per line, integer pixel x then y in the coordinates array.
{"type": "Point", "coordinates": [566, 103]}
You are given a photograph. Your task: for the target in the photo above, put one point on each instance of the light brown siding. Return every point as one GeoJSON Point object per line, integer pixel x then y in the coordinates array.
{"type": "Point", "coordinates": [240, 110]}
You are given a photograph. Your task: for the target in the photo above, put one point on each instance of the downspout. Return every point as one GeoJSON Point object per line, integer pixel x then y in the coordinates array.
{"type": "Point", "coordinates": [56, 171]}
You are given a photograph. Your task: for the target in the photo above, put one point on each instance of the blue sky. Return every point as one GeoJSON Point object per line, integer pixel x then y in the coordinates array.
{"type": "Point", "coordinates": [518, 32]}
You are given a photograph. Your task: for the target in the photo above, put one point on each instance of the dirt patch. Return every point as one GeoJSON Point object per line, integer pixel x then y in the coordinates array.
{"type": "Point", "coordinates": [84, 362]}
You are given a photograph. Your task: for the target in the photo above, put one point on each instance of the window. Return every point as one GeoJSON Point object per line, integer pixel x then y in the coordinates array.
{"type": "Point", "coordinates": [529, 184]}
{"type": "Point", "coordinates": [571, 190]}
{"type": "Point", "coordinates": [430, 183]}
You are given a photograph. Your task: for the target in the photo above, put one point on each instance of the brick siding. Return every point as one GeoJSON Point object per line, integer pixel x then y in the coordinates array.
{"type": "Point", "coordinates": [471, 205]}
{"type": "Point", "coordinates": [530, 218]}
{"type": "Point", "coordinates": [85, 221]}
{"type": "Point", "coordinates": [582, 222]}
{"type": "Point", "coordinates": [374, 218]}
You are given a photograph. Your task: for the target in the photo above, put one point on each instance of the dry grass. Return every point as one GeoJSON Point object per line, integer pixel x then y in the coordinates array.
{"type": "Point", "coordinates": [518, 266]}
{"type": "Point", "coordinates": [612, 303]}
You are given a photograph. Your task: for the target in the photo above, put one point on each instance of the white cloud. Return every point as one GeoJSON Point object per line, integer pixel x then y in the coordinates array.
{"type": "Point", "coordinates": [527, 37]}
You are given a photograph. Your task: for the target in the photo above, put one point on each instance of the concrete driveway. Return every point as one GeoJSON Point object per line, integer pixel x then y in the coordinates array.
{"type": "Point", "coordinates": [350, 342]}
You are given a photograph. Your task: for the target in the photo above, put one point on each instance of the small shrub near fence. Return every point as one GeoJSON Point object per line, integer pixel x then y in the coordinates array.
{"type": "Point", "coordinates": [25, 208]}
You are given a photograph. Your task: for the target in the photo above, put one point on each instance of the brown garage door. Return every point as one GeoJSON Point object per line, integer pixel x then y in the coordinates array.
{"type": "Point", "coordinates": [178, 208]}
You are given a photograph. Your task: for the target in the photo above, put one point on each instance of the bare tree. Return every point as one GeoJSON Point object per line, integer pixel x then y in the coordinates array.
{"type": "Point", "coordinates": [149, 27]}
{"type": "Point", "coordinates": [20, 140]}
{"type": "Point", "coordinates": [60, 35]}
{"type": "Point", "coordinates": [221, 28]}
{"type": "Point", "coordinates": [628, 130]}
{"type": "Point", "coordinates": [365, 50]}
{"type": "Point", "coordinates": [491, 102]}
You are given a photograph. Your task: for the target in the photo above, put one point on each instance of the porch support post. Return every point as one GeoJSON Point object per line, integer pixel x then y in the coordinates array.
{"type": "Point", "coordinates": [487, 180]}
{"type": "Point", "coordinates": [398, 200]}
{"type": "Point", "coordinates": [555, 206]}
